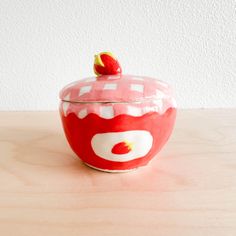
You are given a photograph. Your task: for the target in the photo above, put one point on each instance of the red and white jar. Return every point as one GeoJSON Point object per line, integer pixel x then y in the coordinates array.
{"type": "Point", "coordinates": [117, 122]}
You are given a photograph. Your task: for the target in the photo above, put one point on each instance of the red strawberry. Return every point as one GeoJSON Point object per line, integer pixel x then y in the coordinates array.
{"type": "Point", "coordinates": [105, 63]}
{"type": "Point", "coordinates": [122, 148]}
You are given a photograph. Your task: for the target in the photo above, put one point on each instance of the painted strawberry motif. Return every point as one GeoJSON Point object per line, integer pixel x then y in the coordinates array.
{"type": "Point", "coordinates": [122, 147]}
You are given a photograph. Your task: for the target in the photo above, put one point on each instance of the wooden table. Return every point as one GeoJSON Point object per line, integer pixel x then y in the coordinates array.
{"type": "Point", "coordinates": [189, 189]}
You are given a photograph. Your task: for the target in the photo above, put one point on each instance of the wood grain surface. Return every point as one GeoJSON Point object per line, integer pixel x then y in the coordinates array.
{"type": "Point", "coordinates": [188, 189]}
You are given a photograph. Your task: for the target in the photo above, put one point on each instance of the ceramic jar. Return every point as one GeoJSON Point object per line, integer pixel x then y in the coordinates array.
{"type": "Point", "coordinates": [117, 122]}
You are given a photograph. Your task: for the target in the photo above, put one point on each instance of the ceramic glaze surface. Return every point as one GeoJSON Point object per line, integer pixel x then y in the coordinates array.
{"type": "Point", "coordinates": [115, 88]}
{"type": "Point", "coordinates": [102, 143]}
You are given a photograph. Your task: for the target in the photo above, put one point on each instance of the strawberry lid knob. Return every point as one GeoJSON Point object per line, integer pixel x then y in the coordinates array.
{"type": "Point", "coordinates": [105, 63]}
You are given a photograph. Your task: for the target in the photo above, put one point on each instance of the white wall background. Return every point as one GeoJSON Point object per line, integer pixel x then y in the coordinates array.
{"type": "Point", "coordinates": [46, 44]}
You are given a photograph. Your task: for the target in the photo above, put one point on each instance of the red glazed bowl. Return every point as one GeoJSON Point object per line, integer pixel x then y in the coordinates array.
{"type": "Point", "coordinates": [117, 123]}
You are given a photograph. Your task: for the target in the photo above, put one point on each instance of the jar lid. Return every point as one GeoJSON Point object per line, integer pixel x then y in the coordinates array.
{"type": "Point", "coordinates": [110, 86]}
{"type": "Point", "coordinates": [115, 88]}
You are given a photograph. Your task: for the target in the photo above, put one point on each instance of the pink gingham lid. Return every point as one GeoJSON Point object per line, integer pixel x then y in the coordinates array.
{"type": "Point", "coordinates": [116, 88]}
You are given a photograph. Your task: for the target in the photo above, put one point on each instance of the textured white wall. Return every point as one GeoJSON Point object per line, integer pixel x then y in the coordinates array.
{"type": "Point", "coordinates": [47, 44]}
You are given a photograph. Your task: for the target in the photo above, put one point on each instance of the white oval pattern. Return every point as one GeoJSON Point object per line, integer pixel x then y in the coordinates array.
{"type": "Point", "coordinates": [103, 143]}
